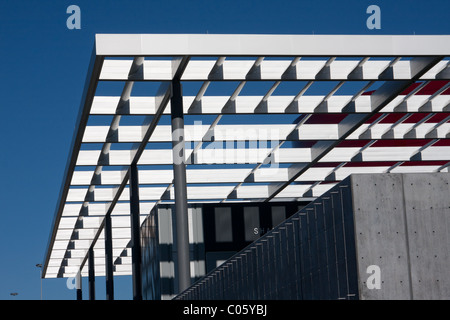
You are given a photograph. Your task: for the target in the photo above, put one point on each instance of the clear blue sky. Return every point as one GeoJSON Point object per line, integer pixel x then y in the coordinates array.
{"type": "Point", "coordinates": [43, 66]}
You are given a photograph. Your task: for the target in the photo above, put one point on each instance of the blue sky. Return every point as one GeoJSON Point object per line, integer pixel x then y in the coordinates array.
{"type": "Point", "coordinates": [43, 66]}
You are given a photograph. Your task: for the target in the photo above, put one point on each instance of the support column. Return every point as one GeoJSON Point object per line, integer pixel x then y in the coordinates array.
{"type": "Point", "coordinates": [179, 173]}
{"type": "Point", "coordinates": [78, 286]}
{"type": "Point", "coordinates": [91, 265]}
{"type": "Point", "coordinates": [136, 255]}
{"type": "Point", "coordinates": [109, 259]}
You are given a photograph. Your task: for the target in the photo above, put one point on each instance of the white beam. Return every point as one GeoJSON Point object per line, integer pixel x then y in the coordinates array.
{"type": "Point", "coordinates": [269, 45]}
{"type": "Point", "coordinates": [275, 104]}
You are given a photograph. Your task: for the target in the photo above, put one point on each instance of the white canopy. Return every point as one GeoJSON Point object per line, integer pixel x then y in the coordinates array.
{"type": "Point", "coordinates": [268, 117]}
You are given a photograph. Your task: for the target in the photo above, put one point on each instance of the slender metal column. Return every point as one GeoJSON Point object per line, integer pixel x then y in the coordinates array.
{"type": "Point", "coordinates": [109, 259]}
{"type": "Point", "coordinates": [91, 274]}
{"type": "Point", "coordinates": [136, 257]}
{"type": "Point", "coordinates": [179, 173]}
{"type": "Point", "coordinates": [78, 286]}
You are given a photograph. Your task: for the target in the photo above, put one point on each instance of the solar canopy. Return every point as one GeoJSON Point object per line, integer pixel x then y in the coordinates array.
{"type": "Point", "coordinates": [267, 118]}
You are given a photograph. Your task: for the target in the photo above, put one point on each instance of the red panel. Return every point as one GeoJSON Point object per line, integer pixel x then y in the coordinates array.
{"type": "Point", "coordinates": [432, 87]}
{"type": "Point", "coordinates": [438, 117]}
{"type": "Point", "coordinates": [326, 164]}
{"type": "Point", "coordinates": [353, 143]}
{"type": "Point", "coordinates": [371, 164]}
{"type": "Point", "coordinates": [393, 117]}
{"type": "Point", "coordinates": [442, 143]}
{"type": "Point", "coordinates": [410, 89]}
{"type": "Point", "coordinates": [329, 118]}
{"type": "Point", "coordinates": [373, 118]}
{"type": "Point", "coordinates": [415, 117]}
{"type": "Point", "coordinates": [423, 163]}
{"type": "Point", "coordinates": [401, 143]}
{"type": "Point", "coordinates": [446, 92]}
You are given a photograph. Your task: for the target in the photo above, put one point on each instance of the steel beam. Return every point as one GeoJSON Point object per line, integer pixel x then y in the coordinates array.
{"type": "Point", "coordinates": [136, 255]}
{"type": "Point", "coordinates": [109, 259]}
{"type": "Point", "coordinates": [179, 173]}
{"type": "Point", "coordinates": [78, 286]}
{"type": "Point", "coordinates": [91, 274]}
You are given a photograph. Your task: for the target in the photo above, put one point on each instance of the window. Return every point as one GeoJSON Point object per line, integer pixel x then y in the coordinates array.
{"type": "Point", "coordinates": [224, 232]}
{"type": "Point", "coordinates": [278, 215]}
{"type": "Point", "coordinates": [251, 223]}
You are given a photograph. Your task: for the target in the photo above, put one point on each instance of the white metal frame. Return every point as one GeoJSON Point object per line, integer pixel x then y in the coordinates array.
{"type": "Point", "coordinates": [331, 150]}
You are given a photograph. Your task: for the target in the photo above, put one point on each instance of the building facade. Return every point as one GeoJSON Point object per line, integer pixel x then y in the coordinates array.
{"type": "Point", "coordinates": [216, 233]}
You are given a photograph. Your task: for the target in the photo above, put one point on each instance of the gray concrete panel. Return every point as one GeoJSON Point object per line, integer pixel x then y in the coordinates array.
{"type": "Point", "coordinates": [427, 207]}
{"type": "Point", "coordinates": [380, 235]}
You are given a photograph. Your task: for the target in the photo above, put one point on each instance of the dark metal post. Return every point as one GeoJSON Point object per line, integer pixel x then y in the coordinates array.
{"type": "Point", "coordinates": [135, 233]}
{"type": "Point", "coordinates": [109, 259]}
{"type": "Point", "coordinates": [91, 265]}
{"type": "Point", "coordinates": [179, 173]}
{"type": "Point", "coordinates": [78, 286]}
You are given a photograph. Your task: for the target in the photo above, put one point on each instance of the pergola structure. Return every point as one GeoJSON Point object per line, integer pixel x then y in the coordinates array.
{"type": "Point", "coordinates": [220, 118]}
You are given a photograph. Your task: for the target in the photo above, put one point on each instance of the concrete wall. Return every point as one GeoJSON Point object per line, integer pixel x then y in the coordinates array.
{"type": "Point", "coordinates": [402, 225]}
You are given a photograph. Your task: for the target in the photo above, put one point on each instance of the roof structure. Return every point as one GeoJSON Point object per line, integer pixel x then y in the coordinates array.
{"type": "Point", "coordinates": [267, 118]}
